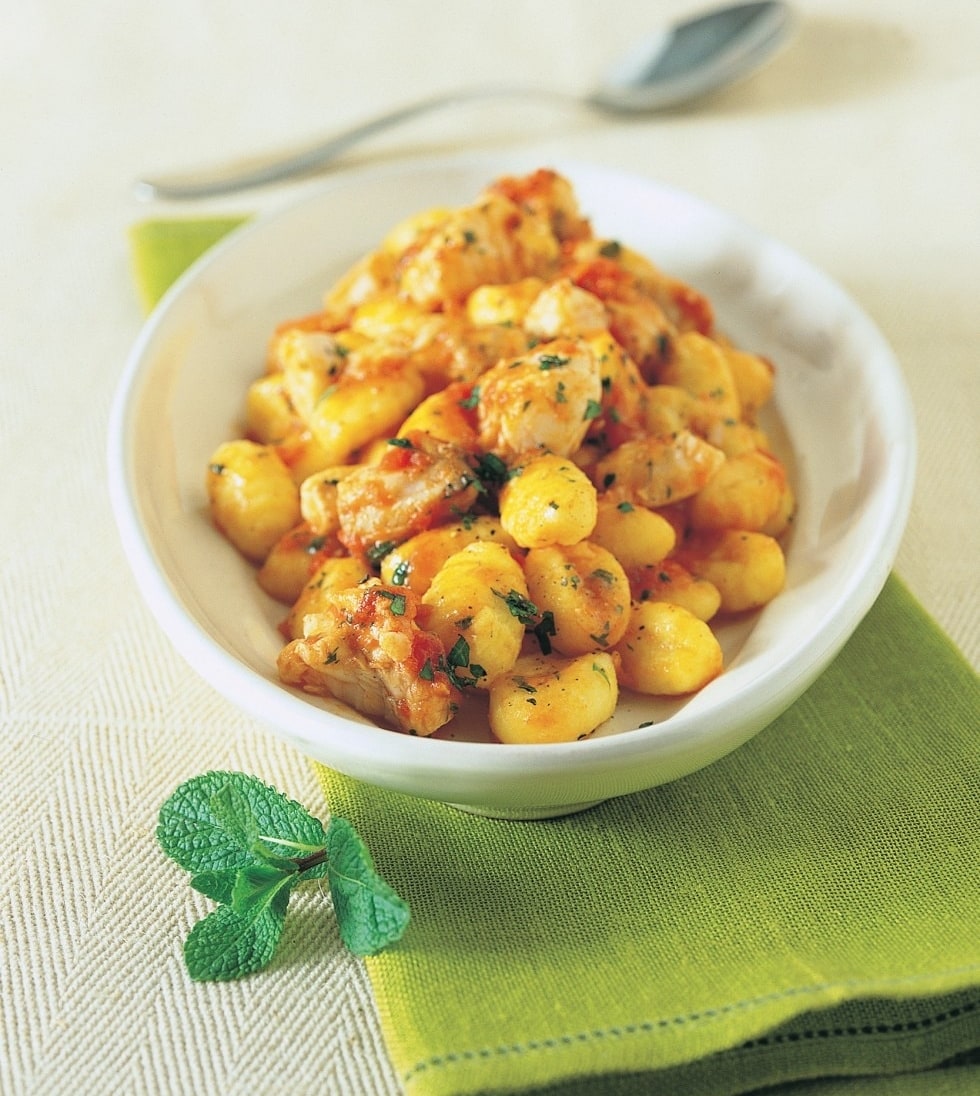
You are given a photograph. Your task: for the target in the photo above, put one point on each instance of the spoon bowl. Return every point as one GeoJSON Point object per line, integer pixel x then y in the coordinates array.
{"type": "Point", "coordinates": [673, 65]}
{"type": "Point", "coordinates": [681, 63]}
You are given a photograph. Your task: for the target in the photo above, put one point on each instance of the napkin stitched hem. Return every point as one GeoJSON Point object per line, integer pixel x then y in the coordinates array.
{"type": "Point", "coordinates": [825, 1030]}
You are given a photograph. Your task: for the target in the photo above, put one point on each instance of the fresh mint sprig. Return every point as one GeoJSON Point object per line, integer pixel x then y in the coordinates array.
{"type": "Point", "coordinates": [246, 846]}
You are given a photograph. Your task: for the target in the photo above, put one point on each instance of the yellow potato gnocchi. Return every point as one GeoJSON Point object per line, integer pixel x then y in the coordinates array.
{"type": "Point", "coordinates": [548, 500]}
{"type": "Point", "coordinates": [509, 466]}
{"type": "Point", "coordinates": [467, 604]}
{"type": "Point", "coordinates": [253, 499]}
{"type": "Point", "coordinates": [586, 591]}
{"type": "Point", "coordinates": [747, 568]}
{"type": "Point", "coordinates": [667, 651]}
{"type": "Point", "coordinates": [550, 699]}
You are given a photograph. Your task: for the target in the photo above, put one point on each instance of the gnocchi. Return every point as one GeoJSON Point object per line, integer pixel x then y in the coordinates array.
{"type": "Point", "coordinates": [508, 463]}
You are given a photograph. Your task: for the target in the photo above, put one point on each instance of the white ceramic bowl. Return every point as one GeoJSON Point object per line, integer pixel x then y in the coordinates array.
{"type": "Point", "coordinates": [841, 419]}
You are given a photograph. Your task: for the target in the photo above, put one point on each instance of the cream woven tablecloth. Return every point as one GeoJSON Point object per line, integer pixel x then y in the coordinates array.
{"type": "Point", "coordinates": [857, 147]}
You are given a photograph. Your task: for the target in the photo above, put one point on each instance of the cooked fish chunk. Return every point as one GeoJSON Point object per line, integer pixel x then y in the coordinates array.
{"type": "Point", "coordinates": [364, 647]}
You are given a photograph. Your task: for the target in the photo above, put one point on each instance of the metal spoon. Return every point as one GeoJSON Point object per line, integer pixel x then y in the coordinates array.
{"type": "Point", "coordinates": [672, 66]}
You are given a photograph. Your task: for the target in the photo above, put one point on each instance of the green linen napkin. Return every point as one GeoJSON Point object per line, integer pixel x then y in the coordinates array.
{"type": "Point", "coordinates": [804, 913]}
{"type": "Point", "coordinates": [161, 249]}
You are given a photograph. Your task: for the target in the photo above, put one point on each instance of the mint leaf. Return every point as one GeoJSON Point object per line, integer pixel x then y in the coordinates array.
{"type": "Point", "coordinates": [217, 885]}
{"type": "Point", "coordinates": [227, 820]}
{"type": "Point", "coordinates": [227, 944]}
{"type": "Point", "coordinates": [246, 846]}
{"type": "Point", "coordinates": [257, 885]}
{"type": "Point", "coordinates": [194, 835]}
{"type": "Point", "coordinates": [370, 914]}
{"type": "Point", "coordinates": [232, 811]}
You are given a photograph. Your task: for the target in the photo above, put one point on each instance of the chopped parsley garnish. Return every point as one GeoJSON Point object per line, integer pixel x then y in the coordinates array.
{"type": "Point", "coordinates": [491, 470]}
{"type": "Point", "coordinates": [398, 602]}
{"type": "Point", "coordinates": [472, 400]}
{"type": "Point", "coordinates": [521, 607]}
{"type": "Point", "coordinates": [457, 660]}
{"type": "Point", "coordinates": [541, 625]}
{"type": "Point", "coordinates": [377, 552]}
{"type": "Point", "coordinates": [544, 630]}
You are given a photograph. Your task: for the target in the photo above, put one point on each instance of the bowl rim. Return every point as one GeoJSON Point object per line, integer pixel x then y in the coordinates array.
{"type": "Point", "coordinates": [291, 714]}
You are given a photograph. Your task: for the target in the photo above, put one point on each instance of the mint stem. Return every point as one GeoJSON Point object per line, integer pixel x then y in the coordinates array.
{"type": "Point", "coordinates": [311, 860]}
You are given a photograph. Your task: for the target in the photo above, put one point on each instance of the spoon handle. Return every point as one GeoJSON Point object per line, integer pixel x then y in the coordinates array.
{"type": "Point", "coordinates": [207, 183]}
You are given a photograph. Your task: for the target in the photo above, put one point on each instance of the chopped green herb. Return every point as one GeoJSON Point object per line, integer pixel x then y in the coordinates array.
{"type": "Point", "coordinates": [544, 630]}
{"type": "Point", "coordinates": [401, 443]}
{"type": "Point", "coordinates": [400, 574]}
{"type": "Point", "coordinates": [458, 659]}
{"type": "Point", "coordinates": [525, 611]}
{"type": "Point", "coordinates": [625, 507]}
{"type": "Point", "coordinates": [491, 470]}
{"type": "Point", "coordinates": [377, 552]}
{"type": "Point", "coordinates": [472, 400]}
{"type": "Point", "coordinates": [611, 249]}
{"type": "Point", "coordinates": [459, 655]}
{"type": "Point", "coordinates": [398, 602]}
{"type": "Point", "coordinates": [593, 409]}
{"type": "Point", "coordinates": [552, 361]}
